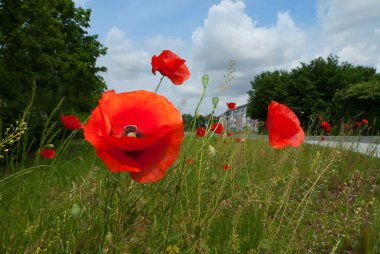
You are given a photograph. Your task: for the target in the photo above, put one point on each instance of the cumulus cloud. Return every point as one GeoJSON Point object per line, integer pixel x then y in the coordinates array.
{"type": "Point", "coordinates": [350, 29]}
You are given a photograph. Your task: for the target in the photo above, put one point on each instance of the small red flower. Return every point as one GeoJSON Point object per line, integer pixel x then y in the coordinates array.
{"type": "Point", "coordinates": [364, 121]}
{"type": "Point", "coordinates": [71, 122]}
{"type": "Point", "coordinates": [357, 124]}
{"type": "Point", "coordinates": [190, 161]}
{"type": "Point", "coordinates": [346, 126]}
{"type": "Point", "coordinates": [217, 128]}
{"type": "Point", "coordinates": [225, 141]}
{"type": "Point", "coordinates": [226, 166]}
{"type": "Point", "coordinates": [231, 105]}
{"type": "Point", "coordinates": [323, 138]}
{"type": "Point", "coordinates": [201, 132]}
{"type": "Point", "coordinates": [229, 134]}
{"type": "Point", "coordinates": [139, 132]}
{"type": "Point", "coordinates": [320, 118]}
{"type": "Point", "coordinates": [239, 140]}
{"type": "Point", "coordinates": [171, 66]}
{"type": "Point", "coordinates": [283, 126]}
{"type": "Point", "coordinates": [48, 153]}
{"type": "Point", "coordinates": [326, 126]}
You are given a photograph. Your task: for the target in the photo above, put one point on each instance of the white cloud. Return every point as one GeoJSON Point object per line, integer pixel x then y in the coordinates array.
{"type": "Point", "coordinates": [350, 29]}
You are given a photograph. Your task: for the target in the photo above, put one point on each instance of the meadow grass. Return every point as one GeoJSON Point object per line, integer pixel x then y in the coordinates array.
{"type": "Point", "coordinates": [309, 199]}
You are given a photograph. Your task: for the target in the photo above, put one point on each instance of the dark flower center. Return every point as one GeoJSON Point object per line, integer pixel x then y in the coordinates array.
{"type": "Point", "coordinates": [132, 131]}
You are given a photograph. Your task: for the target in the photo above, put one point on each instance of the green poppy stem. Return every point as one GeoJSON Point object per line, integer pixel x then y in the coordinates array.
{"type": "Point", "coordinates": [108, 205]}
{"type": "Point", "coordinates": [159, 83]}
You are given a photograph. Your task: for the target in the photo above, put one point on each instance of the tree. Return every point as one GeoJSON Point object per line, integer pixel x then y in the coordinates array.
{"type": "Point", "coordinates": [46, 41]}
{"type": "Point", "coordinates": [308, 90]}
{"type": "Point", "coordinates": [360, 100]}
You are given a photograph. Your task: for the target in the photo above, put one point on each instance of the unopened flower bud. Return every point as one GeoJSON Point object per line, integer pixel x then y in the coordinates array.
{"type": "Point", "coordinates": [76, 211]}
{"type": "Point", "coordinates": [215, 101]}
{"type": "Point", "coordinates": [109, 236]}
{"type": "Point", "coordinates": [205, 81]}
{"type": "Point", "coordinates": [212, 150]}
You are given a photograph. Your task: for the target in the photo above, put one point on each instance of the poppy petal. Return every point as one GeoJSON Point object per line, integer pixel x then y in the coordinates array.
{"type": "Point", "coordinates": [283, 126]}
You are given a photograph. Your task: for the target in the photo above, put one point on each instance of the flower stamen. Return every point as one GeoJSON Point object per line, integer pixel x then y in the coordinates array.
{"type": "Point", "coordinates": [132, 131]}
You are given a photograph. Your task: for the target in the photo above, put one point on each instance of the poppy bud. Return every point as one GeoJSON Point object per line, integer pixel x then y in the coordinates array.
{"type": "Point", "coordinates": [212, 150]}
{"type": "Point", "coordinates": [205, 81]}
{"type": "Point", "coordinates": [215, 101]}
{"type": "Point", "coordinates": [109, 236]}
{"type": "Point", "coordinates": [76, 211]}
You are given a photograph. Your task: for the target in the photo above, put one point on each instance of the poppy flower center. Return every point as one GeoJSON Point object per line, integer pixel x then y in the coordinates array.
{"type": "Point", "coordinates": [132, 131]}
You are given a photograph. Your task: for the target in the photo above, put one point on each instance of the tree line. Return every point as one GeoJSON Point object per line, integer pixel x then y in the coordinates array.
{"type": "Point", "coordinates": [336, 91]}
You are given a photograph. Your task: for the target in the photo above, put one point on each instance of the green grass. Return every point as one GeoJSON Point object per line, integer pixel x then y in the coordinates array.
{"type": "Point", "coordinates": [306, 200]}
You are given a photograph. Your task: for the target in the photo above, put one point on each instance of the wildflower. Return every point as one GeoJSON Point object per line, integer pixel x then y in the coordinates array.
{"type": "Point", "coordinates": [357, 124]}
{"type": "Point", "coordinates": [217, 128]}
{"type": "Point", "coordinates": [48, 153]}
{"type": "Point", "coordinates": [172, 249]}
{"type": "Point", "coordinates": [346, 126]}
{"type": "Point", "coordinates": [283, 126]}
{"type": "Point", "coordinates": [231, 105]}
{"type": "Point", "coordinates": [364, 121]}
{"type": "Point", "coordinates": [239, 140]}
{"type": "Point", "coordinates": [323, 138]}
{"type": "Point", "coordinates": [190, 161]}
{"type": "Point", "coordinates": [171, 66]}
{"type": "Point", "coordinates": [229, 134]}
{"type": "Point", "coordinates": [139, 132]}
{"type": "Point", "coordinates": [226, 166]}
{"type": "Point", "coordinates": [71, 122]}
{"type": "Point", "coordinates": [326, 126]}
{"type": "Point", "coordinates": [201, 132]}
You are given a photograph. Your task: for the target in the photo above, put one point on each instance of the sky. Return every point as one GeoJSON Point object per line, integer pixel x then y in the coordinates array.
{"type": "Point", "coordinates": [258, 35]}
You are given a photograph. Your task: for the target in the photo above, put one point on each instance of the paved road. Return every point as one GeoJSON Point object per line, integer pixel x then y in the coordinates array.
{"type": "Point", "coordinates": [369, 145]}
{"type": "Point", "coordinates": [372, 149]}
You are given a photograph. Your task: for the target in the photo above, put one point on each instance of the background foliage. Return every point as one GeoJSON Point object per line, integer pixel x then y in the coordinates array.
{"type": "Point", "coordinates": [47, 42]}
{"type": "Point", "coordinates": [339, 92]}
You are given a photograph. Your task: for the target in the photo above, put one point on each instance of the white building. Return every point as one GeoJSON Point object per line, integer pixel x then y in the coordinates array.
{"type": "Point", "coordinates": [237, 119]}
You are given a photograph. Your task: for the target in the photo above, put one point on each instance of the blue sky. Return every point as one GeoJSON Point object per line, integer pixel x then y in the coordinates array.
{"type": "Point", "coordinates": [259, 35]}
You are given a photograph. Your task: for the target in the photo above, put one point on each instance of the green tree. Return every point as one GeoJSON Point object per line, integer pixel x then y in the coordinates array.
{"type": "Point", "coordinates": [47, 41]}
{"type": "Point", "coordinates": [360, 100]}
{"type": "Point", "coordinates": [308, 90]}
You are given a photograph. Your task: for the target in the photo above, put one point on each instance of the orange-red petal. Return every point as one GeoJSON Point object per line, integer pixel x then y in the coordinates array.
{"type": "Point", "coordinates": [283, 126]}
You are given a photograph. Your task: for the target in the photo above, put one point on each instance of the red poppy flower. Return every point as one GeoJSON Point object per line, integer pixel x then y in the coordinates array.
{"type": "Point", "coordinates": [139, 132]}
{"type": "Point", "coordinates": [323, 138]}
{"type": "Point", "coordinates": [171, 66]}
{"type": "Point", "coordinates": [229, 134]}
{"type": "Point", "coordinates": [48, 153]}
{"type": "Point", "coordinates": [283, 126]}
{"type": "Point", "coordinates": [239, 140]}
{"type": "Point", "coordinates": [190, 161]}
{"type": "Point", "coordinates": [346, 126]}
{"type": "Point", "coordinates": [357, 124]}
{"type": "Point", "coordinates": [201, 132]}
{"type": "Point", "coordinates": [364, 121]}
{"type": "Point", "coordinates": [231, 105]}
{"type": "Point", "coordinates": [217, 128]}
{"type": "Point", "coordinates": [226, 166]}
{"type": "Point", "coordinates": [71, 122]}
{"type": "Point", "coordinates": [326, 126]}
